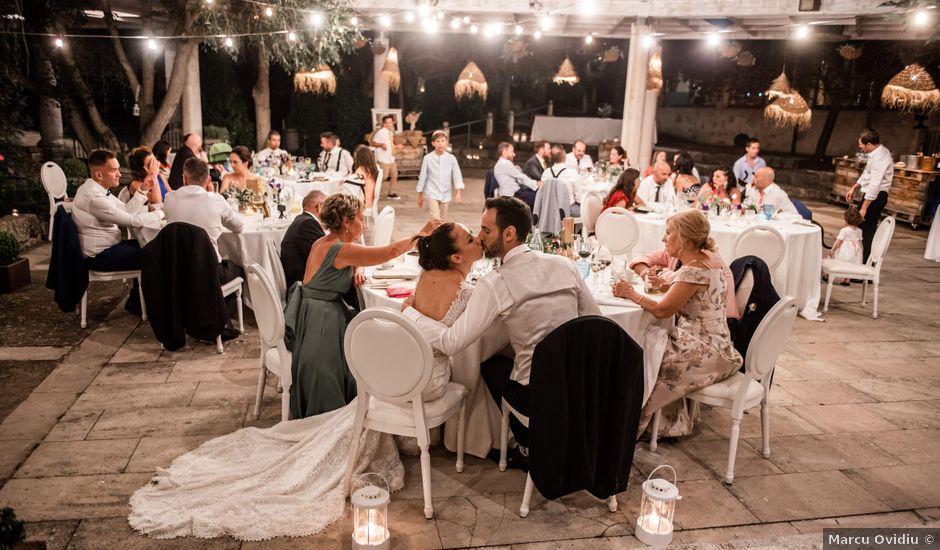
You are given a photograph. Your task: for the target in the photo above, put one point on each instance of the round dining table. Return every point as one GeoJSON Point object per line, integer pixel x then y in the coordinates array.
{"type": "Point", "coordinates": [483, 415]}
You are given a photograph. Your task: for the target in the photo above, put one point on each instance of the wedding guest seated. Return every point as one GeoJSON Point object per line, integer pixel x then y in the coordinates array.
{"type": "Point", "coordinates": [763, 191]}
{"type": "Point", "coordinates": [161, 150]}
{"type": "Point", "coordinates": [719, 187]}
{"type": "Point", "coordinates": [240, 160]}
{"type": "Point", "coordinates": [333, 159]}
{"type": "Point", "coordinates": [512, 181]}
{"type": "Point", "coordinates": [685, 157]}
{"type": "Point", "coordinates": [300, 236]}
{"type": "Point", "coordinates": [578, 160]}
{"type": "Point", "coordinates": [196, 204]}
{"type": "Point", "coordinates": [658, 156]}
{"type": "Point", "coordinates": [192, 147]}
{"type": "Point", "coordinates": [624, 190]}
{"type": "Point", "coordinates": [144, 166]}
{"type": "Point", "coordinates": [656, 188]}
{"type": "Point", "coordinates": [700, 351]}
{"type": "Point", "coordinates": [618, 159]}
{"type": "Point", "coordinates": [564, 174]}
{"type": "Point", "coordinates": [686, 176]}
{"type": "Point", "coordinates": [538, 162]}
{"type": "Point", "coordinates": [315, 317]}
{"type": "Point", "coordinates": [361, 182]}
{"type": "Point", "coordinates": [98, 216]}
{"type": "Point", "coordinates": [272, 154]}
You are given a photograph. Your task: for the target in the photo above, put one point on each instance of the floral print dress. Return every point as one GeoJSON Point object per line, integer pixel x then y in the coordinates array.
{"type": "Point", "coordinates": [700, 352]}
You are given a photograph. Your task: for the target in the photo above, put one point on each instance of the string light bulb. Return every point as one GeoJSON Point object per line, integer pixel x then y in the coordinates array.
{"type": "Point", "coordinates": [151, 44]}
{"type": "Point", "coordinates": [291, 36]}
{"type": "Point", "coordinates": [518, 30]}
{"type": "Point", "coordinates": [588, 7]}
{"type": "Point", "coordinates": [545, 22]}
{"type": "Point", "coordinates": [439, 15]}
{"type": "Point", "coordinates": [424, 9]}
{"type": "Point", "coordinates": [354, 21]}
{"type": "Point", "coordinates": [466, 20]}
{"type": "Point", "coordinates": [316, 19]}
{"type": "Point", "coordinates": [589, 39]}
{"type": "Point", "coordinates": [455, 24]}
{"type": "Point", "coordinates": [648, 41]}
{"type": "Point", "coordinates": [802, 32]}
{"type": "Point", "coordinates": [385, 21]}
{"type": "Point", "coordinates": [409, 17]}
{"type": "Point", "coordinates": [537, 34]}
{"type": "Point", "coordinates": [209, 2]}
{"type": "Point", "coordinates": [229, 42]}
{"type": "Point", "coordinates": [713, 39]}
{"type": "Point", "coordinates": [474, 29]}
{"type": "Point", "coordinates": [59, 43]}
{"type": "Point", "coordinates": [921, 18]}
{"type": "Point", "coordinates": [269, 11]}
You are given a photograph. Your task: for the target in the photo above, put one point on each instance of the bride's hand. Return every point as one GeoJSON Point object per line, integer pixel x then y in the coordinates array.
{"type": "Point", "coordinates": [409, 302]}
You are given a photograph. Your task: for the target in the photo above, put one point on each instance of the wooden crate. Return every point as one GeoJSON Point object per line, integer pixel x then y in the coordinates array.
{"type": "Point", "coordinates": [908, 199]}
{"type": "Point", "coordinates": [847, 171]}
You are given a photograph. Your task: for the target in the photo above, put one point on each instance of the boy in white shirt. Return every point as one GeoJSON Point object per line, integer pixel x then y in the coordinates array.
{"type": "Point", "coordinates": [439, 172]}
{"type": "Point", "coordinates": [384, 142]}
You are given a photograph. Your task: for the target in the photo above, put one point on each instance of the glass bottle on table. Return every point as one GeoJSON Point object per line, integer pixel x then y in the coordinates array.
{"type": "Point", "coordinates": [584, 249]}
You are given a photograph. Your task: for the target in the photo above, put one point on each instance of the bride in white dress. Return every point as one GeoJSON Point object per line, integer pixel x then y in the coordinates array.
{"type": "Point", "coordinates": [256, 484]}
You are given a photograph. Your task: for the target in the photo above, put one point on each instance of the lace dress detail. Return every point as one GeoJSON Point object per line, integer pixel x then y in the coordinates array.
{"type": "Point", "coordinates": [256, 484]}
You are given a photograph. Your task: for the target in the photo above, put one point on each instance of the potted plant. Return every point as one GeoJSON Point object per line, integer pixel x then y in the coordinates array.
{"type": "Point", "coordinates": [14, 271]}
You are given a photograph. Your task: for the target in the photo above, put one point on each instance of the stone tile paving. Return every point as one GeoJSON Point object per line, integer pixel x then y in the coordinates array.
{"type": "Point", "coordinates": [854, 436]}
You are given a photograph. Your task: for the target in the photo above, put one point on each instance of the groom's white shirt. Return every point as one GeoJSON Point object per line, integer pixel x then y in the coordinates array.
{"type": "Point", "coordinates": [531, 293]}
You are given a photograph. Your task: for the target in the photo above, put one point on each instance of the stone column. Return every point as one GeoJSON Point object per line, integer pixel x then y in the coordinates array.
{"type": "Point", "coordinates": [647, 130]}
{"type": "Point", "coordinates": [192, 98]}
{"type": "Point", "coordinates": [380, 85]}
{"type": "Point", "coordinates": [634, 94]}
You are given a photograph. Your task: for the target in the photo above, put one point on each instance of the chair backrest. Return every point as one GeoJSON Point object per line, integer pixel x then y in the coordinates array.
{"type": "Point", "coordinates": [384, 227]}
{"type": "Point", "coordinates": [490, 185]}
{"type": "Point", "coordinates": [591, 206]}
{"type": "Point", "coordinates": [764, 241]}
{"type": "Point", "coordinates": [880, 242]}
{"type": "Point", "coordinates": [617, 230]}
{"type": "Point", "coordinates": [279, 280]}
{"type": "Point", "coordinates": [54, 182]}
{"type": "Point", "coordinates": [387, 355]}
{"type": "Point", "coordinates": [743, 292]}
{"type": "Point", "coordinates": [377, 194]}
{"type": "Point", "coordinates": [770, 338]}
{"type": "Point", "coordinates": [267, 308]}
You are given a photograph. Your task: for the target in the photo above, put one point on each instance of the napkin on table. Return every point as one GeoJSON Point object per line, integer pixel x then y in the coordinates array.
{"type": "Point", "coordinates": [395, 273]}
{"type": "Point", "coordinates": [399, 291]}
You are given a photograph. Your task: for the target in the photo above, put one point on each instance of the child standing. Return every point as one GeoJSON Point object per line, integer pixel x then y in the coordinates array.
{"type": "Point", "coordinates": [439, 172]}
{"type": "Point", "coordinates": [848, 245]}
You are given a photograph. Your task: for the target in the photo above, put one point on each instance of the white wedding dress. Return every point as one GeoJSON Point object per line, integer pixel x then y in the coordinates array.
{"type": "Point", "coordinates": [256, 484]}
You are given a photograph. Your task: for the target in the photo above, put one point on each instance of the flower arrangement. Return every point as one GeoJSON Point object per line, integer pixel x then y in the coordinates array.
{"type": "Point", "coordinates": [243, 196]}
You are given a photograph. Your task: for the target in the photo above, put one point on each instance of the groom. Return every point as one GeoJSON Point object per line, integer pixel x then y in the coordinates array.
{"type": "Point", "coordinates": [531, 293]}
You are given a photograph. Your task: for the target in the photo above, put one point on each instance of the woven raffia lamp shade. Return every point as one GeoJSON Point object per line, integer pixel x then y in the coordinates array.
{"type": "Point", "coordinates": [730, 50]}
{"type": "Point", "coordinates": [320, 81]}
{"type": "Point", "coordinates": [471, 81]}
{"type": "Point", "coordinates": [745, 59]}
{"type": "Point", "coordinates": [779, 87]}
{"type": "Point", "coordinates": [849, 51]}
{"type": "Point", "coordinates": [911, 90]}
{"type": "Point", "coordinates": [390, 70]}
{"type": "Point", "coordinates": [789, 110]}
{"type": "Point", "coordinates": [566, 74]}
{"type": "Point", "coordinates": [654, 74]}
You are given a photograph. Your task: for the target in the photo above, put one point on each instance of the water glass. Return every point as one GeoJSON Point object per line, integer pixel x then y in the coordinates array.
{"type": "Point", "coordinates": [768, 211]}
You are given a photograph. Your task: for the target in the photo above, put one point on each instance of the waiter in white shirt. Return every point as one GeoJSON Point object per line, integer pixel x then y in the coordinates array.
{"type": "Point", "coordinates": [195, 203]}
{"type": "Point", "coordinates": [875, 183]}
{"type": "Point", "coordinates": [512, 181]}
{"type": "Point", "coordinates": [531, 293]}
{"type": "Point", "coordinates": [98, 215]}
{"type": "Point", "coordinates": [763, 191]}
{"type": "Point", "coordinates": [383, 140]}
{"type": "Point", "coordinates": [657, 187]}
{"type": "Point", "coordinates": [578, 160]}
{"type": "Point", "coordinates": [272, 154]}
{"type": "Point", "coordinates": [333, 159]}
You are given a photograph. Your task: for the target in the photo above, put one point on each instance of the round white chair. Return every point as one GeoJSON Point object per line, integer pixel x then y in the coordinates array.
{"type": "Point", "coordinates": [278, 279]}
{"type": "Point", "coordinates": [384, 227]}
{"type": "Point", "coordinates": [870, 271]}
{"type": "Point", "coordinates": [764, 241]}
{"type": "Point", "coordinates": [617, 230]}
{"type": "Point", "coordinates": [54, 182]}
{"type": "Point", "coordinates": [392, 363]}
{"type": "Point", "coordinates": [274, 354]}
{"type": "Point", "coordinates": [591, 206]}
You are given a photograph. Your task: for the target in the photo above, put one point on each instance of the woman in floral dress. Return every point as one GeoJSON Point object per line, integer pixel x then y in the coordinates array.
{"type": "Point", "coordinates": [700, 351]}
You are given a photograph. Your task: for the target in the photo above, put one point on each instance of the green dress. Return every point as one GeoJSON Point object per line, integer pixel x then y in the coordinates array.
{"type": "Point", "coordinates": [315, 323]}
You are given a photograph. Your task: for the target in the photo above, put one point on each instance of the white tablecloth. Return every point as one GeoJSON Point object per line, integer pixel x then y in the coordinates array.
{"type": "Point", "coordinates": [248, 247]}
{"type": "Point", "coordinates": [301, 188]}
{"type": "Point", "coordinates": [798, 275]}
{"type": "Point", "coordinates": [567, 129]}
{"type": "Point", "coordinates": [483, 416]}
{"type": "Point", "coordinates": [933, 240]}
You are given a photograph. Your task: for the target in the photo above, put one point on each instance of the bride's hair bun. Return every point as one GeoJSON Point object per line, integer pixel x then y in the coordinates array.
{"type": "Point", "coordinates": [434, 250]}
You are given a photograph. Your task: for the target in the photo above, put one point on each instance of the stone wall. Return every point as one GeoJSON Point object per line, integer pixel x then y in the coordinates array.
{"type": "Point", "coordinates": [27, 228]}
{"type": "Point", "coordinates": [713, 126]}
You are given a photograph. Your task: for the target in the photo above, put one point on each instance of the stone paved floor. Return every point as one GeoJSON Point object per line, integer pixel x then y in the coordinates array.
{"type": "Point", "coordinates": [855, 436]}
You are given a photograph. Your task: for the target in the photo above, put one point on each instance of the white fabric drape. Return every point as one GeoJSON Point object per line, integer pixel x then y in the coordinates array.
{"type": "Point", "coordinates": [933, 240]}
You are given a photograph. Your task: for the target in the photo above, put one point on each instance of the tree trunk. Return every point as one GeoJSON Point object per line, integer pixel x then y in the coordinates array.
{"type": "Point", "coordinates": [145, 99]}
{"type": "Point", "coordinates": [50, 111]}
{"type": "Point", "coordinates": [261, 93]}
{"type": "Point", "coordinates": [174, 93]}
{"type": "Point", "coordinates": [831, 117]}
{"type": "Point", "coordinates": [85, 136]}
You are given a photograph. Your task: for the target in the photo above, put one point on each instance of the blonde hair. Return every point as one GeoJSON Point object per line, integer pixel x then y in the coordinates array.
{"type": "Point", "coordinates": [338, 208]}
{"type": "Point", "coordinates": [692, 227]}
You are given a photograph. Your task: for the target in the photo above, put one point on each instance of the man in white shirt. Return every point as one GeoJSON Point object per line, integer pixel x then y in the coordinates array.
{"type": "Point", "coordinates": [272, 154]}
{"type": "Point", "coordinates": [195, 203]}
{"type": "Point", "coordinates": [748, 165]}
{"type": "Point", "coordinates": [656, 188]}
{"type": "Point", "coordinates": [530, 293]}
{"type": "Point", "coordinates": [99, 216]}
{"type": "Point", "coordinates": [512, 181]}
{"type": "Point", "coordinates": [875, 183]}
{"type": "Point", "coordinates": [384, 142]}
{"type": "Point", "coordinates": [560, 171]}
{"type": "Point", "coordinates": [577, 159]}
{"type": "Point", "coordinates": [439, 173]}
{"type": "Point", "coordinates": [763, 191]}
{"type": "Point", "coordinates": [333, 159]}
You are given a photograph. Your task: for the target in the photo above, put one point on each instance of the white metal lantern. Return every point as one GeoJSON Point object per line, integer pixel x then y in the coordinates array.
{"type": "Point", "coordinates": [370, 513]}
{"type": "Point", "coordinates": [655, 524]}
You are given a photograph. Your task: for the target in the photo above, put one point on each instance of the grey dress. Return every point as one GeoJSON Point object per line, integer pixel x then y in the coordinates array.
{"type": "Point", "coordinates": [315, 324]}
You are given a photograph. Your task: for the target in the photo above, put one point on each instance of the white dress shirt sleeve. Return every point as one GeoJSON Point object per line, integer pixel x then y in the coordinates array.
{"type": "Point", "coordinates": [109, 209]}
{"type": "Point", "coordinates": [456, 175]}
{"type": "Point", "coordinates": [230, 218]}
{"type": "Point", "coordinates": [423, 176]}
{"type": "Point", "coordinates": [878, 168]}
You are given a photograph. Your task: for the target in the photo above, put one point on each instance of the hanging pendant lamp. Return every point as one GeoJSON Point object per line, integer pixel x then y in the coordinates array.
{"type": "Point", "coordinates": [320, 81]}
{"type": "Point", "coordinates": [779, 87]}
{"type": "Point", "coordinates": [654, 74]}
{"type": "Point", "coordinates": [390, 70]}
{"type": "Point", "coordinates": [789, 110]}
{"type": "Point", "coordinates": [566, 74]}
{"type": "Point", "coordinates": [911, 89]}
{"type": "Point", "coordinates": [745, 59]}
{"type": "Point", "coordinates": [471, 81]}
{"type": "Point", "coordinates": [849, 51]}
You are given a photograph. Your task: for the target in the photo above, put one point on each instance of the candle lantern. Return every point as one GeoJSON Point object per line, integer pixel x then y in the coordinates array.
{"type": "Point", "coordinates": [370, 513]}
{"type": "Point", "coordinates": [655, 524]}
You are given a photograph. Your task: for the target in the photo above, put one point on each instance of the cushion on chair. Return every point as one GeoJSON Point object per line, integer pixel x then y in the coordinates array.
{"type": "Point", "coordinates": [727, 389]}
{"type": "Point", "coordinates": [436, 412]}
{"type": "Point", "coordinates": [839, 266]}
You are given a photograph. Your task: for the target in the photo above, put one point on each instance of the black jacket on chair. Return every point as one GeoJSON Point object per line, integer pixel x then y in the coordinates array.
{"type": "Point", "coordinates": [763, 297]}
{"type": "Point", "coordinates": [586, 393]}
{"type": "Point", "coordinates": [68, 274]}
{"type": "Point", "coordinates": [295, 247]}
{"type": "Point", "coordinates": [180, 279]}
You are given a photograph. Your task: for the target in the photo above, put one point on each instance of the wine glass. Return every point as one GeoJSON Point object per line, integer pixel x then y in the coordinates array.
{"type": "Point", "coordinates": [584, 249]}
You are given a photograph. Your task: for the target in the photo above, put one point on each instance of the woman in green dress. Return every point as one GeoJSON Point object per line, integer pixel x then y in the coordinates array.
{"type": "Point", "coordinates": [315, 316]}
